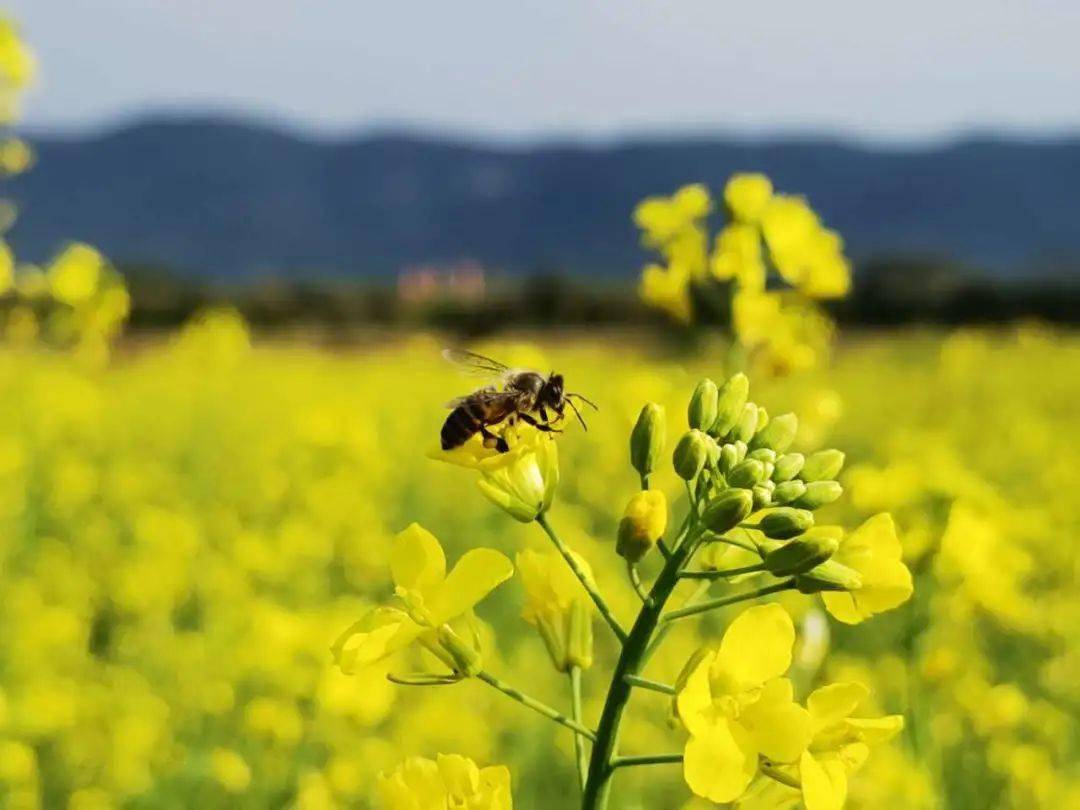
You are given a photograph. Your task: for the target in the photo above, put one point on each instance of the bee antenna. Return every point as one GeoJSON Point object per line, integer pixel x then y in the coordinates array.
{"type": "Point", "coordinates": [584, 399]}
{"type": "Point", "coordinates": [577, 413]}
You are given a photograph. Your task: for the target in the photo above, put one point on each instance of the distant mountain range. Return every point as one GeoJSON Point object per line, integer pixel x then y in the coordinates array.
{"type": "Point", "coordinates": [220, 199]}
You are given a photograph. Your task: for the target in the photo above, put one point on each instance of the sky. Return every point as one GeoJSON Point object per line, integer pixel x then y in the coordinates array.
{"type": "Point", "coordinates": [865, 69]}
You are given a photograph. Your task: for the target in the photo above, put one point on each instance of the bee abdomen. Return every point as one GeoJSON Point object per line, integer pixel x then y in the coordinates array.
{"type": "Point", "coordinates": [459, 426]}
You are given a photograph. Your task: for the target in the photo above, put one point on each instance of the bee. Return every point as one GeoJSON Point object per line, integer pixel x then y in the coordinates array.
{"type": "Point", "coordinates": [525, 395]}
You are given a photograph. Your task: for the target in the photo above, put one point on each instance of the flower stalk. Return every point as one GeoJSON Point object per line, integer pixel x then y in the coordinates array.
{"type": "Point", "coordinates": [536, 705]}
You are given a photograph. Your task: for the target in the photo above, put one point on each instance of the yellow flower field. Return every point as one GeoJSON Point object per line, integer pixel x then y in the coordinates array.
{"type": "Point", "coordinates": [185, 531]}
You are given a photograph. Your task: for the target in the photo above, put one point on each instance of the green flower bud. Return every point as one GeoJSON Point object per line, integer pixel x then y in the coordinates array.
{"type": "Point", "coordinates": [824, 465]}
{"type": "Point", "coordinates": [785, 522]}
{"type": "Point", "coordinates": [769, 467]}
{"type": "Point", "coordinates": [579, 636]}
{"type": "Point", "coordinates": [740, 448]}
{"type": "Point", "coordinates": [729, 404]}
{"type": "Point", "coordinates": [800, 555]}
{"type": "Point", "coordinates": [763, 454]}
{"type": "Point", "coordinates": [647, 439]}
{"type": "Point", "coordinates": [463, 658]}
{"type": "Point", "coordinates": [788, 491]}
{"type": "Point", "coordinates": [727, 510]}
{"type": "Point", "coordinates": [703, 403]}
{"type": "Point", "coordinates": [820, 493]}
{"type": "Point", "coordinates": [713, 457]}
{"type": "Point", "coordinates": [729, 457]}
{"type": "Point", "coordinates": [762, 417]}
{"type": "Point", "coordinates": [762, 496]}
{"type": "Point", "coordinates": [643, 524]}
{"type": "Point", "coordinates": [829, 576]}
{"type": "Point", "coordinates": [690, 454]}
{"type": "Point", "coordinates": [778, 434]}
{"type": "Point", "coordinates": [747, 423]}
{"type": "Point", "coordinates": [787, 467]}
{"type": "Point", "coordinates": [746, 473]}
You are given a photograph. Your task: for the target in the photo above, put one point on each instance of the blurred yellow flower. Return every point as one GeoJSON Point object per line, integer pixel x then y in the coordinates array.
{"type": "Point", "coordinates": [449, 781]}
{"type": "Point", "coordinates": [747, 195]}
{"type": "Point", "coordinates": [230, 770]}
{"type": "Point", "coordinates": [737, 707]}
{"type": "Point", "coordinates": [74, 275]}
{"type": "Point", "coordinates": [873, 551]}
{"type": "Point", "coordinates": [430, 597]}
{"type": "Point", "coordinates": [558, 607]}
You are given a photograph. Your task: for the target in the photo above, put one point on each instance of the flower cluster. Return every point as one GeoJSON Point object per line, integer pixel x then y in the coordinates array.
{"type": "Point", "coordinates": [746, 490]}
{"type": "Point", "coordinates": [767, 236]}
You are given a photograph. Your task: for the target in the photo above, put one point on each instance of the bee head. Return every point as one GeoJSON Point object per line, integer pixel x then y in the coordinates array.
{"type": "Point", "coordinates": [553, 393]}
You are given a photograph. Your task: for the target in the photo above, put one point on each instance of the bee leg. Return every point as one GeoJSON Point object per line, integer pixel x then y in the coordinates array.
{"type": "Point", "coordinates": [493, 441]}
{"type": "Point", "coordinates": [544, 426]}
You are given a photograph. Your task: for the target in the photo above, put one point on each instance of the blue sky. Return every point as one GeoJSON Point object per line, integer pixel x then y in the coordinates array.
{"type": "Point", "coordinates": [917, 69]}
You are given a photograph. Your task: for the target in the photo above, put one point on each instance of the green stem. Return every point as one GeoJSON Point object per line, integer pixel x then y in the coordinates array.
{"type": "Point", "coordinates": [662, 633]}
{"type": "Point", "coordinates": [728, 572]}
{"type": "Point", "coordinates": [581, 757]}
{"type": "Point", "coordinates": [646, 683]}
{"type": "Point", "coordinates": [535, 705]}
{"type": "Point", "coordinates": [647, 759]}
{"type": "Point", "coordinates": [731, 541]}
{"type": "Point", "coordinates": [778, 775]}
{"type": "Point", "coordinates": [583, 578]}
{"type": "Point", "coordinates": [635, 580]}
{"type": "Point", "coordinates": [712, 604]}
{"type": "Point", "coordinates": [631, 660]}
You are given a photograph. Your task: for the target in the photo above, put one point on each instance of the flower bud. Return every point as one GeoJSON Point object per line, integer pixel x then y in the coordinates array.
{"type": "Point", "coordinates": [690, 454]}
{"type": "Point", "coordinates": [778, 434]}
{"type": "Point", "coordinates": [824, 465]}
{"type": "Point", "coordinates": [746, 473]}
{"type": "Point", "coordinates": [727, 510]}
{"type": "Point", "coordinates": [800, 555]}
{"type": "Point", "coordinates": [787, 467]}
{"type": "Point", "coordinates": [729, 457]}
{"type": "Point", "coordinates": [466, 660]}
{"type": "Point", "coordinates": [785, 522]}
{"type": "Point", "coordinates": [762, 495]}
{"type": "Point", "coordinates": [713, 457]}
{"type": "Point", "coordinates": [747, 423]}
{"type": "Point", "coordinates": [763, 454]}
{"type": "Point", "coordinates": [701, 413]}
{"type": "Point", "coordinates": [579, 636]}
{"type": "Point", "coordinates": [829, 576]}
{"type": "Point", "coordinates": [643, 524]}
{"type": "Point", "coordinates": [740, 449]}
{"type": "Point", "coordinates": [820, 493]}
{"type": "Point", "coordinates": [729, 404]}
{"type": "Point", "coordinates": [788, 491]}
{"type": "Point", "coordinates": [647, 439]}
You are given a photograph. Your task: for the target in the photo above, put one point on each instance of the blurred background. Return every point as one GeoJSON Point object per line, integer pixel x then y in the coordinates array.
{"type": "Point", "coordinates": [353, 163]}
{"type": "Point", "coordinates": [237, 235]}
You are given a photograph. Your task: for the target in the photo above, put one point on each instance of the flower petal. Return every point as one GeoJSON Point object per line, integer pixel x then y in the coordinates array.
{"type": "Point", "coordinates": [380, 633]}
{"type": "Point", "coordinates": [820, 792]}
{"type": "Point", "coordinates": [876, 730]}
{"type": "Point", "coordinates": [756, 647]}
{"type": "Point", "coordinates": [716, 766]}
{"type": "Point", "coordinates": [476, 575]}
{"type": "Point", "coordinates": [695, 697]}
{"type": "Point", "coordinates": [417, 560]}
{"type": "Point", "coordinates": [831, 704]}
{"type": "Point", "coordinates": [778, 726]}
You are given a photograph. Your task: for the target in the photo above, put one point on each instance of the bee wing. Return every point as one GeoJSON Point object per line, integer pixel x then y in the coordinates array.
{"type": "Point", "coordinates": [483, 393]}
{"type": "Point", "coordinates": [476, 364]}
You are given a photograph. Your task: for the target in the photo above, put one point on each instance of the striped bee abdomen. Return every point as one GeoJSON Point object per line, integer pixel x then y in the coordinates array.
{"type": "Point", "coordinates": [465, 420]}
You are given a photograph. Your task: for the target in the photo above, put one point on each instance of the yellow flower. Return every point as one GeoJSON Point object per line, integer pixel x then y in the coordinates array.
{"type": "Point", "coordinates": [230, 770]}
{"type": "Point", "coordinates": [668, 289]}
{"type": "Point", "coordinates": [75, 274]}
{"type": "Point", "coordinates": [449, 781]}
{"type": "Point", "coordinates": [737, 707]}
{"type": "Point", "coordinates": [839, 743]}
{"type": "Point", "coordinates": [431, 598]}
{"type": "Point", "coordinates": [643, 524]}
{"type": "Point", "coordinates": [738, 256]}
{"type": "Point", "coordinates": [520, 481]}
{"type": "Point", "coordinates": [873, 550]}
{"type": "Point", "coordinates": [747, 195]}
{"type": "Point", "coordinates": [789, 225]}
{"type": "Point", "coordinates": [558, 607]}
